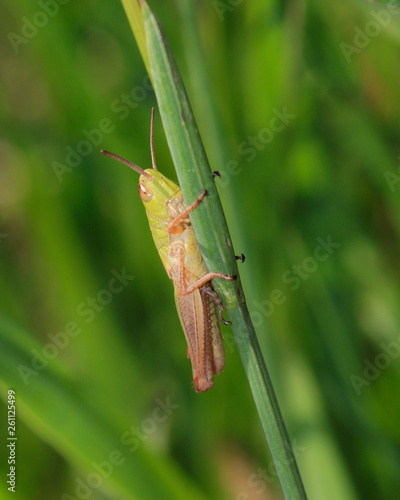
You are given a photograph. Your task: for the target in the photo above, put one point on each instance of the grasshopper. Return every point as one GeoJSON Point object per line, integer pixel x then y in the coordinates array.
{"type": "Point", "coordinates": [195, 298]}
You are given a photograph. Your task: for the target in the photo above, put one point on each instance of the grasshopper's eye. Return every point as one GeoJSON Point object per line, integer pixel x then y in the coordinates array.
{"type": "Point", "coordinates": [144, 193]}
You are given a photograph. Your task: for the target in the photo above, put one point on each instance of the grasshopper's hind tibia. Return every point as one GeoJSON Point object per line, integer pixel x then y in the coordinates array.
{"type": "Point", "coordinates": [209, 290]}
{"type": "Point", "coordinates": [218, 358]}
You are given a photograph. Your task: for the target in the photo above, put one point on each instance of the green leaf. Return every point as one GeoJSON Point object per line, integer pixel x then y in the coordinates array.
{"type": "Point", "coordinates": [48, 403]}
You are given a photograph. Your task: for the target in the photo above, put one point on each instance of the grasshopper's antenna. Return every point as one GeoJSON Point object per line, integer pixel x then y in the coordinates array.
{"type": "Point", "coordinates": [126, 162]}
{"type": "Point", "coordinates": [153, 157]}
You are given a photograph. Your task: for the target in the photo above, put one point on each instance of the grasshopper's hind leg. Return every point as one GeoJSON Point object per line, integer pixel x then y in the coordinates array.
{"type": "Point", "coordinates": [205, 279]}
{"type": "Point", "coordinates": [209, 290]}
{"type": "Point", "coordinates": [213, 329]}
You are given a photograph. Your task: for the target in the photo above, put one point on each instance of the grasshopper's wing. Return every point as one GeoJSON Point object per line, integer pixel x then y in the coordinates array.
{"type": "Point", "coordinates": [205, 347]}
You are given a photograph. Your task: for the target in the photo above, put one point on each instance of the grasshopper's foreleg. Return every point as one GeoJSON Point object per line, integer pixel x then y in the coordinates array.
{"type": "Point", "coordinates": [183, 216]}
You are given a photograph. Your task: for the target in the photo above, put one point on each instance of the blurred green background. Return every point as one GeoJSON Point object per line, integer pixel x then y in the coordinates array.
{"type": "Point", "coordinates": [298, 104]}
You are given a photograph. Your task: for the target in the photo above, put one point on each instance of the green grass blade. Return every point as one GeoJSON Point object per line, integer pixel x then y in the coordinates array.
{"type": "Point", "coordinates": [134, 15]}
{"type": "Point", "coordinates": [212, 233]}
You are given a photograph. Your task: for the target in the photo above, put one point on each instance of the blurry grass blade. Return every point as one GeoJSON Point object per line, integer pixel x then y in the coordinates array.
{"type": "Point", "coordinates": [48, 404]}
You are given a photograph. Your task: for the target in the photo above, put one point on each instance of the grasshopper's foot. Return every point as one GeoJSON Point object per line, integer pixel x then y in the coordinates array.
{"type": "Point", "coordinates": [221, 318]}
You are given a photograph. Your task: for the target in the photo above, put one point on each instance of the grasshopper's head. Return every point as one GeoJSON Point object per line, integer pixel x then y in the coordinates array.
{"type": "Point", "coordinates": [154, 189]}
